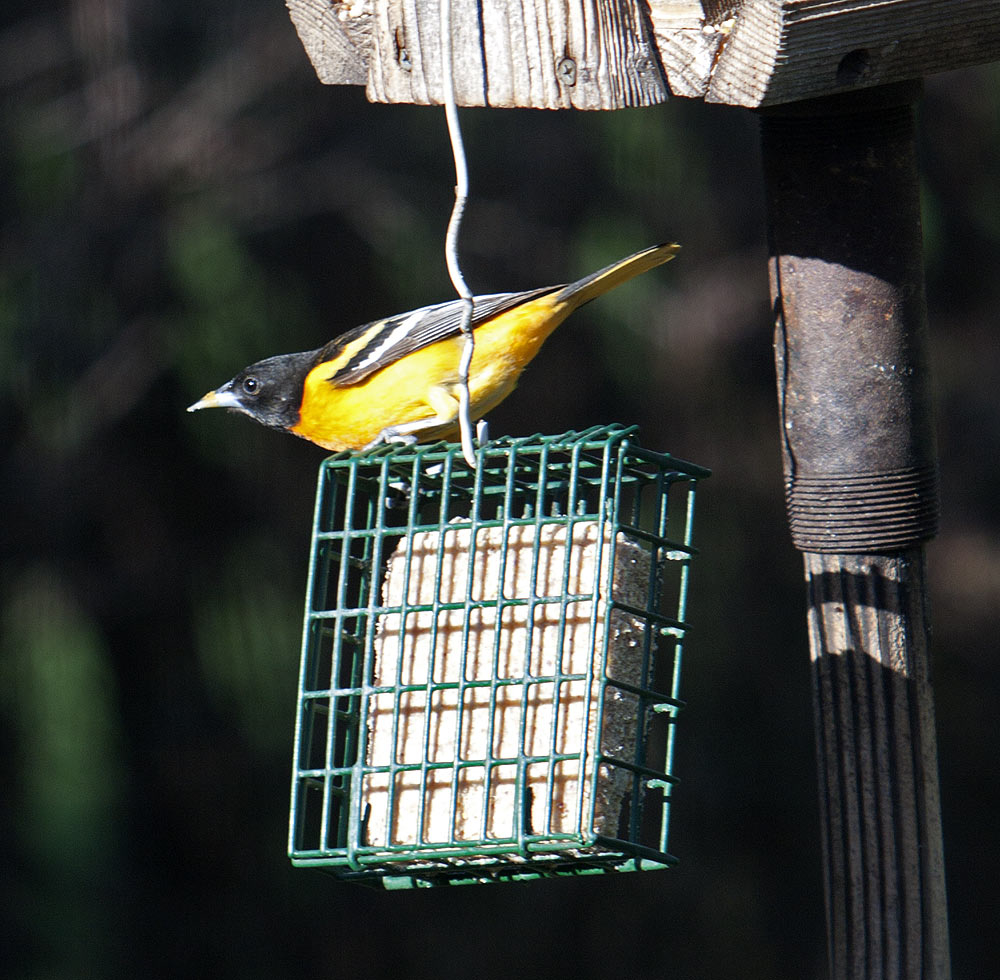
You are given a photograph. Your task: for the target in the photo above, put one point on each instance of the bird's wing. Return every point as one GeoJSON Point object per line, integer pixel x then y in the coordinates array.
{"type": "Point", "coordinates": [399, 335]}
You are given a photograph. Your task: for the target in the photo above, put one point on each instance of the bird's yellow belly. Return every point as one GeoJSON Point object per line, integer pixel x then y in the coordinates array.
{"type": "Point", "coordinates": [353, 416]}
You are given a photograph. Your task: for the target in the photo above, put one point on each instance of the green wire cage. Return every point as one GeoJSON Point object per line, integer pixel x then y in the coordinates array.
{"type": "Point", "coordinates": [490, 660]}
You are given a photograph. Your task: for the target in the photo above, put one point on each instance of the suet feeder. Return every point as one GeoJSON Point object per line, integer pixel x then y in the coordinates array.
{"type": "Point", "coordinates": [490, 660]}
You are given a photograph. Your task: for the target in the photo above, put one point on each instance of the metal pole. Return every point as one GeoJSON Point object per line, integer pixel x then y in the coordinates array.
{"type": "Point", "coordinates": [861, 490]}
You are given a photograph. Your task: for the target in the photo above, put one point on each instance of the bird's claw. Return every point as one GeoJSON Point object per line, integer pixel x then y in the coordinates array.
{"type": "Point", "coordinates": [391, 434]}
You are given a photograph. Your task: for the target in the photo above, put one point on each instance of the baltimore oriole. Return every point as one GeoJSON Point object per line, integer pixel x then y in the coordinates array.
{"type": "Point", "coordinates": [397, 379]}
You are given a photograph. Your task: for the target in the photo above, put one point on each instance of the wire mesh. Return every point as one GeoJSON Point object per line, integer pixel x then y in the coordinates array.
{"type": "Point", "coordinates": [490, 662]}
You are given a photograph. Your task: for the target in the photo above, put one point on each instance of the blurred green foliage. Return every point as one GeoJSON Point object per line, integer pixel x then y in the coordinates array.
{"type": "Point", "coordinates": [232, 308]}
{"type": "Point", "coordinates": [58, 688]}
{"type": "Point", "coordinates": [57, 692]}
{"type": "Point", "coordinates": [242, 638]}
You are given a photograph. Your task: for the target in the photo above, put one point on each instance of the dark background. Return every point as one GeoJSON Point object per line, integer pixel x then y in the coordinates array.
{"type": "Point", "coordinates": [179, 197]}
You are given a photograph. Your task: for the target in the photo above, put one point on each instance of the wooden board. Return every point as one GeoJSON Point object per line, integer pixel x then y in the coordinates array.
{"type": "Point", "coordinates": [609, 54]}
{"type": "Point", "coordinates": [336, 37]}
{"type": "Point", "coordinates": [585, 55]}
{"type": "Point", "coordinates": [783, 51]}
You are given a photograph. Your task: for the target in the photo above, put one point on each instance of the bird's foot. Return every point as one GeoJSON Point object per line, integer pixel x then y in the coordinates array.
{"type": "Point", "coordinates": [392, 434]}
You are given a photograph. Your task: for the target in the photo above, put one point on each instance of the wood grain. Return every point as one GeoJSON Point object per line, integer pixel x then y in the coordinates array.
{"type": "Point", "coordinates": [688, 45]}
{"type": "Point", "coordinates": [336, 37]}
{"type": "Point", "coordinates": [608, 54]}
{"type": "Point", "coordinates": [877, 755]}
{"type": "Point", "coordinates": [788, 50]}
{"type": "Point", "coordinates": [592, 54]}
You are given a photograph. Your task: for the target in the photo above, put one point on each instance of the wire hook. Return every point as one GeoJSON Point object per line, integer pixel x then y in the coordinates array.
{"type": "Point", "coordinates": [451, 236]}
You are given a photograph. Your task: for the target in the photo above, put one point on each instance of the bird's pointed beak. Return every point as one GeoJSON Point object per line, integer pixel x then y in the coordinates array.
{"type": "Point", "coordinates": [222, 398]}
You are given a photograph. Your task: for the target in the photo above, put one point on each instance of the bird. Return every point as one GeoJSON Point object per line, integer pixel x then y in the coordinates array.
{"type": "Point", "coordinates": [397, 380]}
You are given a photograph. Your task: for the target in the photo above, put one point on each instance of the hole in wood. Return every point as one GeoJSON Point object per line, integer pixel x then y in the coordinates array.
{"type": "Point", "coordinates": [854, 67]}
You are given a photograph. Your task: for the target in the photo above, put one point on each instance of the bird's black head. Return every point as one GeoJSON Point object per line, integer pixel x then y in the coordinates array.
{"type": "Point", "coordinates": [269, 391]}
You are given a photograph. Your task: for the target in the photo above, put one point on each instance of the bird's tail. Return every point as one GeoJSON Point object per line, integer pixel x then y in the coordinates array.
{"type": "Point", "coordinates": [598, 283]}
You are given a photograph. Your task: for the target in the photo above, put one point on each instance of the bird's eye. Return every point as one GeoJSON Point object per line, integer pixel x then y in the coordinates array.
{"type": "Point", "coordinates": [251, 385]}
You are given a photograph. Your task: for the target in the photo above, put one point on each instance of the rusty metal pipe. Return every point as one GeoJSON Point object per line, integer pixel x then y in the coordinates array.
{"type": "Point", "coordinates": [851, 325]}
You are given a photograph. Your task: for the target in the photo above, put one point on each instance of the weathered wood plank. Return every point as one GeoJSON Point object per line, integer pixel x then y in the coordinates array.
{"type": "Point", "coordinates": [597, 54]}
{"type": "Point", "coordinates": [336, 37]}
{"type": "Point", "coordinates": [788, 50]}
{"type": "Point", "coordinates": [593, 54]}
{"type": "Point", "coordinates": [605, 54]}
{"type": "Point", "coordinates": [688, 45]}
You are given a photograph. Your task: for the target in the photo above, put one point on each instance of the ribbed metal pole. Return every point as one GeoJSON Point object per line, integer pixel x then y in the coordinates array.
{"type": "Point", "coordinates": [861, 490]}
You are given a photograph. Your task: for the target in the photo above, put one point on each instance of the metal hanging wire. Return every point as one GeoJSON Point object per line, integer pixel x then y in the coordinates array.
{"type": "Point", "coordinates": [451, 236]}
